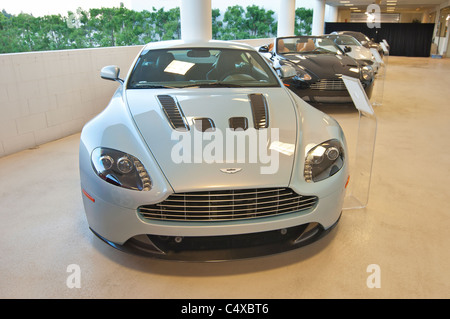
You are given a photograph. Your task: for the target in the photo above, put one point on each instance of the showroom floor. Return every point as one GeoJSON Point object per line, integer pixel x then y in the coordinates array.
{"type": "Point", "coordinates": [403, 230]}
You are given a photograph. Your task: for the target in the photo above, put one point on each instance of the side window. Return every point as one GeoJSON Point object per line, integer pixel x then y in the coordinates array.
{"type": "Point", "coordinates": [246, 57]}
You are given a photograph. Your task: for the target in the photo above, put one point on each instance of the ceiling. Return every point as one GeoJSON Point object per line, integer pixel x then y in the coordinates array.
{"type": "Point", "coordinates": [395, 6]}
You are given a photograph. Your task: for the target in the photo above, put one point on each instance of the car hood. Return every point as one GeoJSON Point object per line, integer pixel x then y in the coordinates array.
{"type": "Point", "coordinates": [325, 65]}
{"type": "Point", "coordinates": [194, 160]}
{"type": "Point", "coordinates": [359, 52]}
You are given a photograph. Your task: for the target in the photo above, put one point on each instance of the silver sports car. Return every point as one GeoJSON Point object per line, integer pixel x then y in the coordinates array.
{"type": "Point", "coordinates": [203, 155]}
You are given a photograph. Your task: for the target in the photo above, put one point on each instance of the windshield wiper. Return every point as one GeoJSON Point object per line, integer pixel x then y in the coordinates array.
{"type": "Point", "coordinates": [213, 84]}
{"type": "Point", "coordinates": [200, 85]}
{"type": "Point", "coordinates": [151, 86]}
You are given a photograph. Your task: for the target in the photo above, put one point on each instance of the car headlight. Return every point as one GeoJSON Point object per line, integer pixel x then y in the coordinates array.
{"type": "Point", "coordinates": [324, 160]}
{"type": "Point", "coordinates": [298, 72]}
{"type": "Point", "coordinates": [367, 72]}
{"type": "Point", "coordinates": [120, 169]}
{"type": "Point", "coordinates": [303, 76]}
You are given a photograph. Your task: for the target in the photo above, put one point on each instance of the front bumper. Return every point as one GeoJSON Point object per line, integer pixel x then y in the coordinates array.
{"type": "Point", "coordinates": [125, 230]}
{"type": "Point", "coordinates": [222, 248]}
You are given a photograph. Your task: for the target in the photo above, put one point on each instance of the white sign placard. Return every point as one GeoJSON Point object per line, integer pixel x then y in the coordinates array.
{"type": "Point", "coordinates": [358, 94]}
{"type": "Point", "coordinates": [385, 49]}
{"type": "Point", "coordinates": [376, 55]}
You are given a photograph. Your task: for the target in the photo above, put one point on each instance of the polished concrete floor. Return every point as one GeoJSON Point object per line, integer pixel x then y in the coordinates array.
{"type": "Point", "coordinates": [404, 229]}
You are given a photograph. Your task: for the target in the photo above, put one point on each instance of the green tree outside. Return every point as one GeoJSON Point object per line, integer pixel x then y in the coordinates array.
{"type": "Point", "coordinates": [303, 21]}
{"type": "Point", "coordinates": [104, 27]}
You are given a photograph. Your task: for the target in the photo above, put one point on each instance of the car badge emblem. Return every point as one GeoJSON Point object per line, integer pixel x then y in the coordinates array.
{"type": "Point", "coordinates": [230, 170]}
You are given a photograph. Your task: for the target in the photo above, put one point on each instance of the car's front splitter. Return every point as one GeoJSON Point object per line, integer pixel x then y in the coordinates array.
{"type": "Point", "coordinates": [222, 248]}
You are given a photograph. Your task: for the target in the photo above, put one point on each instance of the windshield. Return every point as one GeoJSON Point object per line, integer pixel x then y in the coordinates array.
{"type": "Point", "coordinates": [344, 40]}
{"type": "Point", "coordinates": [307, 45]}
{"type": "Point", "coordinates": [359, 36]}
{"type": "Point", "coordinates": [201, 67]}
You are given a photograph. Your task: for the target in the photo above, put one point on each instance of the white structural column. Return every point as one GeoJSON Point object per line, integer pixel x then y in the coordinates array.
{"type": "Point", "coordinates": [286, 18]}
{"type": "Point", "coordinates": [196, 20]}
{"type": "Point", "coordinates": [318, 23]}
{"type": "Point", "coordinates": [331, 13]}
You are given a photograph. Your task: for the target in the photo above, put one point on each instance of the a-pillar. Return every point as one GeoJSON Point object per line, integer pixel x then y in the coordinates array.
{"type": "Point", "coordinates": [196, 20]}
{"type": "Point", "coordinates": [318, 23]}
{"type": "Point", "coordinates": [286, 18]}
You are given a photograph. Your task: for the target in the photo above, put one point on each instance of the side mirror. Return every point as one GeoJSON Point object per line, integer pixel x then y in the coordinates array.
{"type": "Point", "coordinates": [287, 71]}
{"type": "Point", "coordinates": [347, 49]}
{"type": "Point", "coordinates": [110, 72]}
{"type": "Point", "coordinates": [264, 49]}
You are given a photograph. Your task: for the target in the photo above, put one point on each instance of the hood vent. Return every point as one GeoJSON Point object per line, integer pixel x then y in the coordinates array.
{"type": "Point", "coordinates": [204, 124]}
{"type": "Point", "coordinates": [260, 110]}
{"type": "Point", "coordinates": [173, 112]}
{"type": "Point", "coordinates": [238, 123]}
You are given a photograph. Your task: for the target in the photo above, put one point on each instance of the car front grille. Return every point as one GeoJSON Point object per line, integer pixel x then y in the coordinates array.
{"type": "Point", "coordinates": [228, 205]}
{"type": "Point", "coordinates": [329, 85]}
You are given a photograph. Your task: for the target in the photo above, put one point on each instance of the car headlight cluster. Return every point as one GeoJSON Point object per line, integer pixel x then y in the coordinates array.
{"type": "Point", "coordinates": [367, 72]}
{"type": "Point", "coordinates": [303, 76]}
{"type": "Point", "coordinates": [323, 160]}
{"type": "Point", "coordinates": [298, 73]}
{"type": "Point", "coordinates": [120, 169]}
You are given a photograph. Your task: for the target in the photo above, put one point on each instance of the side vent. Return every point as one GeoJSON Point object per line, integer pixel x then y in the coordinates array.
{"type": "Point", "coordinates": [260, 110]}
{"type": "Point", "coordinates": [173, 112]}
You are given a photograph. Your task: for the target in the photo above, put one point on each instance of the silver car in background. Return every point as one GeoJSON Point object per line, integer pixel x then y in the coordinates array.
{"type": "Point", "coordinates": [203, 155]}
{"type": "Point", "coordinates": [353, 48]}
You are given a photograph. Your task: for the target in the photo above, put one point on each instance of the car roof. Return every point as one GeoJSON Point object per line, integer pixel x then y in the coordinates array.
{"type": "Point", "coordinates": [180, 44]}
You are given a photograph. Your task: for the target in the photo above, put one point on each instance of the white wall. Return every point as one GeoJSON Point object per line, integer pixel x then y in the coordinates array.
{"type": "Point", "coordinates": [48, 95]}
